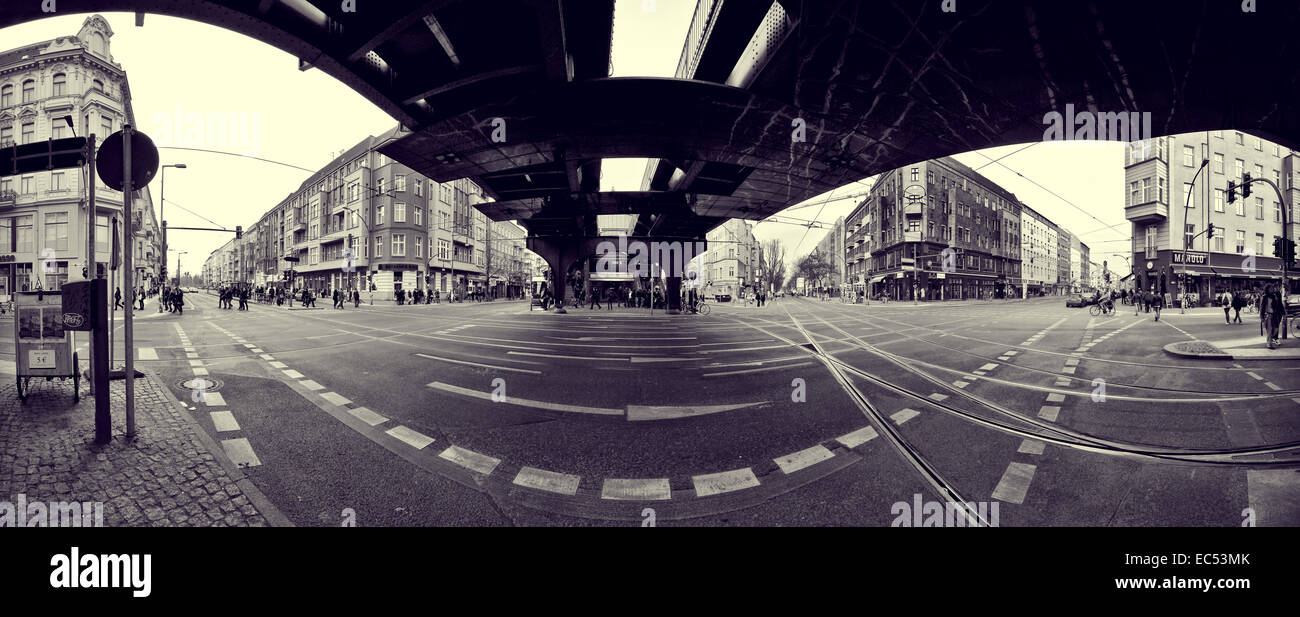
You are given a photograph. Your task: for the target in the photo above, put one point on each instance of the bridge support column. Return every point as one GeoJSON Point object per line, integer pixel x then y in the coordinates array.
{"type": "Point", "coordinates": [560, 254]}
{"type": "Point", "coordinates": [673, 293]}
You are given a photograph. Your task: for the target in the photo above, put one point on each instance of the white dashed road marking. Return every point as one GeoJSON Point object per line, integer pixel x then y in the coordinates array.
{"type": "Point", "coordinates": [540, 479]}
{"type": "Point", "coordinates": [903, 415]}
{"type": "Point", "coordinates": [1015, 483]}
{"type": "Point", "coordinates": [470, 459]}
{"type": "Point", "coordinates": [367, 416]}
{"type": "Point", "coordinates": [858, 437]}
{"type": "Point", "coordinates": [654, 489]}
{"type": "Point", "coordinates": [148, 353]}
{"type": "Point", "coordinates": [791, 463]}
{"type": "Point", "coordinates": [724, 482]}
{"type": "Point", "coordinates": [224, 421]}
{"type": "Point", "coordinates": [412, 438]}
{"type": "Point", "coordinates": [240, 452]}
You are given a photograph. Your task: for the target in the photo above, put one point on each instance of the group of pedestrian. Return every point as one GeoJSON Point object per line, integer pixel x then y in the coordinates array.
{"type": "Point", "coordinates": [171, 299]}
{"type": "Point", "coordinates": [1269, 302]}
{"type": "Point", "coordinates": [342, 296]}
{"type": "Point", "coordinates": [229, 293]}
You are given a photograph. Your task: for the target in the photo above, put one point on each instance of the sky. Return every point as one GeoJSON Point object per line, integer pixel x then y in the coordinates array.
{"type": "Point", "coordinates": [200, 86]}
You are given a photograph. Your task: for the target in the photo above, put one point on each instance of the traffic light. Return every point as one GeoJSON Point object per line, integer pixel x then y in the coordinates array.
{"type": "Point", "coordinates": [1277, 246]}
{"type": "Point", "coordinates": [239, 232]}
{"type": "Point", "coordinates": [1211, 231]}
{"type": "Point", "coordinates": [1232, 191]}
{"type": "Point", "coordinates": [1245, 185]}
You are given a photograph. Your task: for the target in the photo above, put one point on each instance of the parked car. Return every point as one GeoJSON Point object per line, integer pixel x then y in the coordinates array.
{"type": "Point", "coordinates": [1078, 301]}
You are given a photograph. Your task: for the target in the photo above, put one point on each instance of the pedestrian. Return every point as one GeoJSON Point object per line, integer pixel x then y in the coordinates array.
{"type": "Point", "coordinates": [1271, 313]}
{"type": "Point", "coordinates": [595, 299]}
{"type": "Point", "coordinates": [243, 299]}
{"type": "Point", "coordinates": [1157, 301]}
{"type": "Point", "coordinates": [140, 297]}
{"type": "Point", "coordinates": [179, 302]}
{"type": "Point", "coordinates": [1238, 302]}
{"type": "Point", "coordinates": [1225, 299]}
{"type": "Point", "coordinates": [356, 298]}
{"type": "Point", "coordinates": [117, 298]}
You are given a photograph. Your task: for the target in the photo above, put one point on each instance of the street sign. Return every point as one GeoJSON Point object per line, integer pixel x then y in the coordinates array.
{"type": "Point", "coordinates": [144, 160]}
{"type": "Point", "coordinates": [43, 155]}
{"type": "Point", "coordinates": [293, 259]}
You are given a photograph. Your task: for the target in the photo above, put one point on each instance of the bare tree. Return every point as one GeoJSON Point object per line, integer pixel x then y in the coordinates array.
{"type": "Point", "coordinates": [774, 263]}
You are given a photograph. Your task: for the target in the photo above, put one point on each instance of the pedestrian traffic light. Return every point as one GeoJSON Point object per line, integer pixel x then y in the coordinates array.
{"type": "Point", "coordinates": [1232, 191]}
{"type": "Point", "coordinates": [1245, 185]}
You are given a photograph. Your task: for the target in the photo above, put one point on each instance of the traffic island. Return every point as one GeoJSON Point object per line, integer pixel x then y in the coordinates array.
{"type": "Point", "coordinates": [1196, 349]}
{"type": "Point", "coordinates": [1250, 348]}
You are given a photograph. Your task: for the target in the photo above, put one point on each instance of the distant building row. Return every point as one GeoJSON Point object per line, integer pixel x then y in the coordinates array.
{"type": "Point", "coordinates": [365, 220]}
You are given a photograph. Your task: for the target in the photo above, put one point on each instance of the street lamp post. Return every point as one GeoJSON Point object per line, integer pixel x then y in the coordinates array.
{"type": "Point", "coordinates": [178, 266]}
{"type": "Point", "coordinates": [1182, 305]}
{"type": "Point", "coordinates": [162, 205]}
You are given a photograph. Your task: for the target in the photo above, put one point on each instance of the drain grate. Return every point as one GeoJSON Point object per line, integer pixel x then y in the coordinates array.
{"type": "Point", "coordinates": [207, 384]}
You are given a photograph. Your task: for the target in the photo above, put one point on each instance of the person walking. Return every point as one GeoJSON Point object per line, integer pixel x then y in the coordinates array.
{"type": "Point", "coordinates": [1225, 299]}
{"type": "Point", "coordinates": [1238, 303]}
{"type": "Point", "coordinates": [356, 298]}
{"type": "Point", "coordinates": [1271, 313]}
{"type": "Point", "coordinates": [1157, 301]}
{"type": "Point", "coordinates": [595, 299]}
{"type": "Point", "coordinates": [179, 302]}
{"type": "Point", "coordinates": [117, 298]}
{"type": "Point", "coordinates": [139, 295]}
{"type": "Point", "coordinates": [243, 299]}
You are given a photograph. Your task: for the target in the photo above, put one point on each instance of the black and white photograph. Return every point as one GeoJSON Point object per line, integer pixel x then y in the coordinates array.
{"type": "Point", "coordinates": [851, 265]}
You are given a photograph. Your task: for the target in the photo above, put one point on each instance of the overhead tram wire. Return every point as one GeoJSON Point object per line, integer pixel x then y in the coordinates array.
{"type": "Point", "coordinates": [1050, 191]}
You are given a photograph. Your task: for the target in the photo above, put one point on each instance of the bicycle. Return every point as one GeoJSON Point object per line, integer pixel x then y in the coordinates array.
{"type": "Point", "coordinates": [1098, 309]}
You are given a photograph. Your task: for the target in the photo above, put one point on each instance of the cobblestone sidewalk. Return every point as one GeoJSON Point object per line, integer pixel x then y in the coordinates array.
{"type": "Point", "coordinates": [167, 476]}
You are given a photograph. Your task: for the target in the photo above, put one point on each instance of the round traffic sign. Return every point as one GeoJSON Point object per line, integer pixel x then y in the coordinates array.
{"type": "Point", "coordinates": [144, 160]}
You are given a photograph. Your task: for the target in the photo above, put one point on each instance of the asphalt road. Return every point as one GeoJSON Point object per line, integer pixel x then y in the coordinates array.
{"type": "Point", "coordinates": [801, 412]}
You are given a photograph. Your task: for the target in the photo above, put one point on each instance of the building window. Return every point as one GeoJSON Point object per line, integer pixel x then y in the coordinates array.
{"type": "Point", "coordinates": [60, 81]}
{"type": "Point", "coordinates": [916, 174]}
{"type": "Point", "coordinates": [399, 211]}
{"type": "Point", "coordinates": [23, 237]}
{"type": "Point", "coordinates": [379, 186]}
{"type": "Point", "coordinates": [1189, 195]}
{"type": "Point", "coordinates": [7, 96]}
{"type": "Point", "coordinates": [1189, 155]}
{"type": "Point", "coordinates": [56, 230]}
{"type": "Point", "coordinates": [419, 215]}
{"type": "Point", "coordinates": [1134, 193]}
{"type": "Point", "coordinates": [6, 135]}
{"type": "Point", "coordinates": [1188, 232]}
{"type": "Point", "coordinates": [1277, 212]}
{"type": "Point", "coordinates": [1161, 182]}
{"type": "Point", "coordinates": [399, 245]}
{"type": "Point", "coordinates": [29, 91]}
{"type": "Point", "coordinates": [379, 215]}
{"type": "Point", "coordinates": [1239, 137]}
{"type": "Point", "coordinates": [1240, 206]}
{"type": "Point", "coordinates": [1238, 167]}
{"type": "Point", "coordinates": [57, 182]}
{"type": "Point", "coordinates": [1259, 244]}
{"type": "Point", "coordinates": [28, 185]}
{"type": "Point", "coordinates": [6, 235]}
{"type": "Point", "coordinates": [400, 182]}
{"type": "Point", "coordinates": [1147, 190]}
{"type": "Point", "coordinates": [1218, 242]}
{"type": "Point", "coordinates": [444, 250]}
{"type": "Point", "coordinates": [101, 234]}
{"type": "Point", "coordinates": [419, 247]}
{"type": "Point", "coordinates": [29, 132]}
{"type": "Point", "coordinates": [379, 246]}
{"type": "Point", "coordinates": [1218, 162]}
{"type": "Point", "coordinates": [1218, 200]}
{"type": "Point", "coordinates": [1259, 208]}
{"type": "Point", "coordinates": [1241, 239]}
{"type": "Point", "coordinates": [1151, 241]}
{"type": "Point", "coordinates": [106, 125]}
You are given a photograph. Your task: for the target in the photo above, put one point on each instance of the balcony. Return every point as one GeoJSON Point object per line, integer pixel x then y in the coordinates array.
{"type": "Point", "coordinates": [1150, 212]}
{"type": "Point", "coordinates": [8, 198]}
{"type": "Point", "coordinates": [913, 209]}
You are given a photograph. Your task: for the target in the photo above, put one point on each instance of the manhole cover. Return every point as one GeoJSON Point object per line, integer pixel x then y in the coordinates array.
{"type": "Point", "coordinates": [206, 384]}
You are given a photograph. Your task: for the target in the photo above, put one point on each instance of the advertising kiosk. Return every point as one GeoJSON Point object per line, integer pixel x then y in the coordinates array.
{"type": "Point", "coordinates": [43, 347]}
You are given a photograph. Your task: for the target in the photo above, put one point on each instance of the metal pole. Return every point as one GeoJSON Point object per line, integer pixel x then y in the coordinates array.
{"type": "Point", "coordinates": [98, 373]}
{"type": "Point", "coordinates": [128, 206]}
{"type": "Point", "coordinates": [162, 200]}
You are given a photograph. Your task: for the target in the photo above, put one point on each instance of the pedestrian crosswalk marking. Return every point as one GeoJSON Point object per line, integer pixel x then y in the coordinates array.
{"type": "Point", "coordinates": [199, 370]}
{"type": "Point", "coordinates": [1055, 398]}
{"type": "Point", "coordinates": [292, 374]}
{"type": "Point", "coordinates": [279, 365]}
{"type": "Point", "coordinates": [1049, 412]}
{"type": "Point", "coordinates": [938, 397]}
{"type": "Point", "coordinates": [196, 363]}
{"type": "Point", "coordinates": [311, 385]}
{"type": "Point", "coordinates": [148, 353]}
{"type": "Point", "coordinates": [988, 367]}
{"type": "Point", "coordinates": [214, 399]}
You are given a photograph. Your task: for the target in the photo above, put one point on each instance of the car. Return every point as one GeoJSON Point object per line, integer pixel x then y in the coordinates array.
{"type": "Point", "coordinates": [722, 297]}
{"type": "Point", "coordinates": [1078, 301]}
